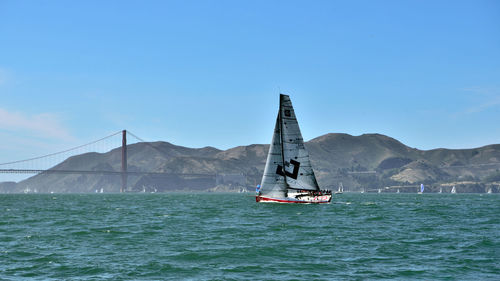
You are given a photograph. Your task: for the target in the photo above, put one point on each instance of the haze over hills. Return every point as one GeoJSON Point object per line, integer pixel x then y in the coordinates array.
{"type": "Point", "coordinates": [368, 162]}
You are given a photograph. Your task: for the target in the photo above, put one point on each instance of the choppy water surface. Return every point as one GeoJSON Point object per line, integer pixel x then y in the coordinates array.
{"type": "Point", "coordinates": [230, 237]}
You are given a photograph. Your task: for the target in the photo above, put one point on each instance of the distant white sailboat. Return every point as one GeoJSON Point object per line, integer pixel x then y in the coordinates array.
{"type": "Point", "coordinates": [453, 190]}
{"type": "Point", "coordinates": [379, 190]}
{"type": "Point", "coordinates": [102, 190]}
{"type": "Point", "coordinates": [288, 175]}
{"type": "Point", "coordinates": [340, 190]}
{"type": "Point", "coordinates": [397, 191]}
{"type": "Point", "coordinates": [440, 190]}
{"type": "Point", "coordinates": [421, 188]}
{"type": "Point", "coordinates": [489, 191]}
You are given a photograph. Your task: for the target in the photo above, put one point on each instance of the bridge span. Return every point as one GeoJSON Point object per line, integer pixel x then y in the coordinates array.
{"type": "Point", "coordinates": [123, 173]}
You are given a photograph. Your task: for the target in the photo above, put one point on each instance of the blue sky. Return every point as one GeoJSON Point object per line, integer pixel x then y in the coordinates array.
{"type": "Point", "coordinates": [208, 73]}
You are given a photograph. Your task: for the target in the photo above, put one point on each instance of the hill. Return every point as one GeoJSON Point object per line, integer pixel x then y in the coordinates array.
{"type": "Point", "coordinates": [369, 162]}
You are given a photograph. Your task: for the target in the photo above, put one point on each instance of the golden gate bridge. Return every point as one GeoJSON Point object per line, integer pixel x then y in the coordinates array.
{"type": "Point", "coordinates": [50, 161]}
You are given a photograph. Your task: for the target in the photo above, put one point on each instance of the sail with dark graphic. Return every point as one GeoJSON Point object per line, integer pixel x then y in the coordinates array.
{"type": "Point", "coordinates": [288, 170]}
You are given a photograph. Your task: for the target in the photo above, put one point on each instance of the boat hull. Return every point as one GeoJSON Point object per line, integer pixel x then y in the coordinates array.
{"type": "Point", "coordinates": [320, 199]}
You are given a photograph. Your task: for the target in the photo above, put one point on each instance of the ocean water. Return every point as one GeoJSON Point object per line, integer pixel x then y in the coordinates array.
{"type": "Point", "coordinates": [207, 236]}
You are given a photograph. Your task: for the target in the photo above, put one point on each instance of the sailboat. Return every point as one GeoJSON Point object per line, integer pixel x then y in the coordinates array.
{"type": "Point", "coordinates": [421, 188]}
{"type": "Point", "coordinates": [288, 175]}
{"type": "Point", "coordinates": [488, 190]}
{"type": "Point", "coordinates": [440, 190]}
{"type": "Point", "coordinates": [397, 191]}
{"type": "Point", "coordinates": [340, 190]}
{"type": "Point", "coordinates": [453, 190]}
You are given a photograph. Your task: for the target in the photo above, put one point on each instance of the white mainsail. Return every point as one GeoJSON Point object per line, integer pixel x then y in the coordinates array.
{"type": "Point", "coordinates": [288, 165]}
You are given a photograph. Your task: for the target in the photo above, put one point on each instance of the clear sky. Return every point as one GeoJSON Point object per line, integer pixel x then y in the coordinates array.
{"type": "Point", "coordinates": [208, 73]}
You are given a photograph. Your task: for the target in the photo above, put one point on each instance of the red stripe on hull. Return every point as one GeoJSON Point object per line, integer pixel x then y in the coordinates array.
{"type": "Point", "coordinates": [266, 199]}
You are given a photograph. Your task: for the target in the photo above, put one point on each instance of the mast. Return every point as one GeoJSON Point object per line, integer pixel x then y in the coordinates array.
{"type": "Point", "coordinates": [281, 140]}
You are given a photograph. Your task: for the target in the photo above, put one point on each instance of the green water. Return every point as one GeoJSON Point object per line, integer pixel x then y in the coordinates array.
{"type": "Point", "coordinates": [230, 237]}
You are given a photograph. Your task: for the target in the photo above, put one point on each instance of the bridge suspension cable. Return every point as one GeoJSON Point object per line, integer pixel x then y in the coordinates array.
{"type": "Point", "coordinates": [148, 143]}
{"type": "Point", "coordinates": [60, 152]}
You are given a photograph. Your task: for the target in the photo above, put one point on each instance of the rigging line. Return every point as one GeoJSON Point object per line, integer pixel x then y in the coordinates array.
{"type": "Point", "coordinates": [67, 150]}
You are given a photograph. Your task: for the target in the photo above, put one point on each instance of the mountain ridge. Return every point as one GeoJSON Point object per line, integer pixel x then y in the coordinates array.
{"type": "Point", "coordinates": [368, 161]}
